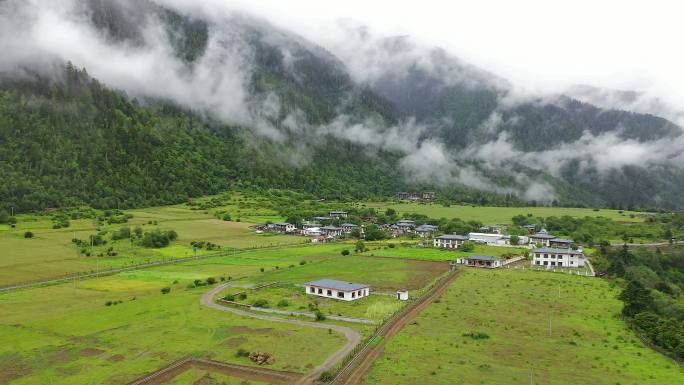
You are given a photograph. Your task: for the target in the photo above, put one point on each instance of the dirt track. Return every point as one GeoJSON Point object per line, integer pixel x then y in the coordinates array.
{"type": "Point", "coordinates": [356, 373]}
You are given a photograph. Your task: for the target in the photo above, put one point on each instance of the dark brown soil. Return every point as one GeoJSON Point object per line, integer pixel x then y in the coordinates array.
{"type": "Point", "coordinates": [11, 368]}
{"type": "Point", "coordinates": [90, 352]}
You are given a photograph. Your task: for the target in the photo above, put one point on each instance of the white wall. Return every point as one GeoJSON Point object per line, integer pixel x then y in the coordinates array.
{"type": "Point", "coordinates": [347, 296]}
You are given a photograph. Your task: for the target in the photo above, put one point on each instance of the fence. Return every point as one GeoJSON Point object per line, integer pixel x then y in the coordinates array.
{"type": "Point", "coordinates": [345, 365]}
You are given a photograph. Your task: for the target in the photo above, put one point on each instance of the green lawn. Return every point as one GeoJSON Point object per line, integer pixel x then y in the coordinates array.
{"type": "Point", "coordinates": [434, 254]}
{"type": "Point", "coordinates": [500, 215]}
{"type": "Point", "coordinates": [587, 342]}
{"type": "Point", "coordinates": [375, 307]}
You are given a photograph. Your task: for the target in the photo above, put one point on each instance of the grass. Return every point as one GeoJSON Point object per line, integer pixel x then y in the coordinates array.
{"type": "Point", "coordinates": [374, 307]}
{"type": "Point", "coordinates": [588, 343]}
{"type": "Point", "coordinates": [434, 254]}
{"type": "Point", "coordinates": [501, 215]}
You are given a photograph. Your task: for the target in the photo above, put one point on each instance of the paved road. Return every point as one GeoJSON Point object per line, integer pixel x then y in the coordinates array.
{"type": "Point", "coordinates": [353, 337]}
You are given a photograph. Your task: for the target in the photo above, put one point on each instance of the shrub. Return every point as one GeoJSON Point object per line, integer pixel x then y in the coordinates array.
{"type": "Point", "coordinates": [197, 282]}
{"type": "Point", "coordinates": [345, 252]}
{"type": "Point", "coordinates": [211, 281]}
{"type": "Point", "coordinates": [165, 290]}
{"type": "Point", "coordinates": [319, 315]}
{"type": "Point", "coordinates": [261, 303]}
{"type": "Point", "coordinates": [242, 296]}
{"type": "Point", "coordinates": [467, 246]}
{"type": "Point", "coordinates": [226, 217]}
{"type": "Point", "coordinates": [28, 234]}
{"type": "Point", "coordinates": [392, 245]}
{"type": "Point", "coordinates": [301, 263]}
{"type": "Point", "coordinates": [108, 303]}
{"type": "Point", "coordinates": [261, 269]}
{"type": "Point", "coordinates": [283, 303]}
{"type": "Point", "coordinates": [326, 376]}
{"type": "Point", "coordinates": [242, 353]}
{"type": "Point", "coordinates": [229, 297]}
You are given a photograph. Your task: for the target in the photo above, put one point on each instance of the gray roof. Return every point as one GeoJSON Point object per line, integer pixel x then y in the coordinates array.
{"type": "Point", "coordinates": [338, 212]}
{"type": "Point", "coordinates": [543, 236]}
{"type": "Point", "coordinates": [426, 228]}
{"type": "Point", "coordinates": [282, 224]}
{"type": "Point", "coordinates": [562, 240]}
{"type": "Point", "coordinates": [482, 258]}
{"type": "Point", "coordinates": [453, 236]}
{"type": "Point", "coordinates": [321, 218]}
{"type": "Point", "coordinates": [530, 226]}
{"type": "Point", "coordinates": [406, 221]}
{"type": "Point", "coordinates": [331, 228]}
{"type": "Point", "coordinates": [337, 285]}
{"type": "Point", "coordinates": [349, 225]}
{"type": "Point", "coordinates": [551, 250]}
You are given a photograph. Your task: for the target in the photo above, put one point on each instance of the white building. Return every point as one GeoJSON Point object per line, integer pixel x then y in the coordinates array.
{"type": "Point", "coordinates": [331, 231]}
{"type": "Point", "coordinates": [330, 288]}
{"type": "Point", "coordinates": [312, 232]}
{"type": "Point", "coordinates": [449, 241]}
{"type": "Point", "coordinates": [488, 238]}
{"type": "Point", "coordinates": [338, 214]}
{"type": "Point", "coordinates": [348, 227]}
{"type": "Point", "coordinates": [425, 231]}
{"type": "Point", "coordinates": [406, 224]}
{"type": "Point", "coordinates": [542, 237]}
{"type": "Point", "coordinates": [480, 261]}
{"type": "Point", "coordinates": [309, 225]}
{"type": "Point", "coordinates": [558, 257]}
{"type": "Point", "coordinates": [402, 295]}
{"type": "Point", "coordinates": [284, 227]}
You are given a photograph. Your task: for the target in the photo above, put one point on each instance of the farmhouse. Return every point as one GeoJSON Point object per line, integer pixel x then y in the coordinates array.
{"type": "Point", "coordinates": [331, 231]}
{"type": "Point", "coordinates": [321, 219]}
{"type": "Point", "coordinates": [542, 237]}
{"type": "Point", "coordinates": [284, 227]}
{"type": "Point", "coordinates": [330, 288]}
{"type": "Point", "coordinates": [416, 196]}
{"type": "Point", "coordinates": [425, 231]}
{"type": "Point", "coordinates": [312, 232]}
{"type": "Point", "coordinates": [490, 239]}
{"type": "Point", "coordinates": [531, 229]}
{"type": "Point", "coordinates": [558, 257]}
{"type": "Point", "coordinates": [480, 261]}
{"type": "Point", "coordinates": [406, 224]}
{"type": "Point", "coordinates": [338, 214]}
{"type": "Point", "coordinates": [449, 241]}
{"type": "Point", "coordinates": [491, 229]}
{"type": "Point", "coordinates": [310, 225]}
{"type": "Point", "coordinates": [348, 227]}
{"type": "Point", "coordinates": [561, 243]}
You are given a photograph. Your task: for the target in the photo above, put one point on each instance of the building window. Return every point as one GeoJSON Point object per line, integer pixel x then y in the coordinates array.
{"type": "Point", "coordinates": [340, 294]}
{"type": "Point", "coordinates": [353, 294]}
{"type": "Point", "coordinates": [312, 290]}
{"type": "Point", "coordinates": [329, 293]}
{"type": "Point", "coordinates": [320, 291]}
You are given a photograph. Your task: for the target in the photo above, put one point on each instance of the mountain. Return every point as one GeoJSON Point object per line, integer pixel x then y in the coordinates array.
{"type": "Point", "coordinates": [190, 104]}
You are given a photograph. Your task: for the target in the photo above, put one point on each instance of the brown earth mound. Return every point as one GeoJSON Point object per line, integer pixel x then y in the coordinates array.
{"type": "Point", "coordinates": [262, 358]}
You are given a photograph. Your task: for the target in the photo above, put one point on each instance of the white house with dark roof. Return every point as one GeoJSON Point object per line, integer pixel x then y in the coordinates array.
{"type": "Point", "coordinates": [309, 225]}
{"type": "Point", "coordinates": [406, 224]}
{"type": "Point", "coordinates": [344, 291]}
{"type": "Point", "coordinates": [338, 214]}
{"type": "Point", "coordinates": [449, 241]}
{"type": "Point", "coordinates": [542, 237]}
{"type": "Point", "coordinates": [331, 231]}
{"type": "Point", "coordinates": [348, 227]}
{"type": "Point", "coordinates": [488, 238]}
{"type": "Point", "coordinates": [552, 257]}
{"type": "Point", "coordinates": [284, 227]}
{"type": "Point", "coordinates": [480, 261]}
{"type": "Point", "coordinates": [560, 243]}
{"type": "Point", "coordinates": [312, 232]}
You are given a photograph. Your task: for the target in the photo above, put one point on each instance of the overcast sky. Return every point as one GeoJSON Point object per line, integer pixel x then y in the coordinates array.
{"type": "Point", "coordinates": [536, 44]}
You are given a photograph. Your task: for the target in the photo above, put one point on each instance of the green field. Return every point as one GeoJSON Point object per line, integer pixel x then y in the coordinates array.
{"type": "Point", "coordinates": [434, 254]}
{"type": "Point", "coordinates": [203, 377]}
{"type": "Point", "coordinates": [534, 336]}
{"type": "Point", "coordinates": [51, 253]}
{"type": "Point", "coordinates": [501, 215]}
{"type": "Point", "coordinates": [65, 334]}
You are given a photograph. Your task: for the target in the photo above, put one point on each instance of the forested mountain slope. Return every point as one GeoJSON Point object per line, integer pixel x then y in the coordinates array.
{"type": "Point", "coordinates": [238, 101]}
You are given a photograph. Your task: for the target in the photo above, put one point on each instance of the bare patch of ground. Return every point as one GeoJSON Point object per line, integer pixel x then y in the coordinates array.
{"type": "Point", "coordinates": [235, 342]}
{"type": "Point", "coordinates": [90, 352]}
{"type": "Point", "coordinates": [11, 368]}
{"type": "Point", "coordinates": [116, 358]}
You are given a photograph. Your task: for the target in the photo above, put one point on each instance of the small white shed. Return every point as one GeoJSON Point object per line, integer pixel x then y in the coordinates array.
{"type": "Point", "coordinates": [402, 295]}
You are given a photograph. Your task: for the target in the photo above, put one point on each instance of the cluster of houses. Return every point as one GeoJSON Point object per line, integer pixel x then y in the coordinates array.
{"type": "Point", "coordinates": [313, 228]}
{"type": "Point", "coordinates": [416, 196]}
{"type": "Point", "coordinates": [495, 238]}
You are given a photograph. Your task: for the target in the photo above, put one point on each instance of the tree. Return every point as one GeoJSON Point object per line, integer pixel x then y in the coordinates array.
{"type": "Point", "coordinates": [515, 240]}
{"type": "Point", "coordinates": [355, 233]}
{"type": "Point", "coordinates": [390, 212]}
{"type": "Point", "coordinates": [28, 234]}
{"type": "Point", "coordinates": [467, 246]}
{"type": "Point", "coordinates": [360, 247]}
{"type": "Point", "coordinates": [345, 252]}
{"type": "Point", "coordinates": [165, 290]}
{"type": "Point", "coordinates": [637, 299]}
{"type": "Point", "coordinates": [4, 216]}
{"type": "Point", "coordinates": [319, 315]}
{"type": "Point", "coordinates": [519, 220]}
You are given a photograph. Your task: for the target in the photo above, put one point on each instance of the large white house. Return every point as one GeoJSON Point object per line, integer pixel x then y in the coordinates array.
{"type": "Point", "coordinates": [331, 231]}
{"type": "Point", "coordinates": [330, 288]}
{"type": "Point", "coordinates": [312, 232]}
{"type": "Point", "coordinates": [558, 257]}
{"type": "Point", "coordinates": [449, 241]}
{"type": "Point", "coordinates": [338, 214]}
{"type": "Point", "coordinates": [284, 227]}
{"type": "Point", "coordinates": [542, 237]}
{"type": "Point", "coordinates": [425, 231]}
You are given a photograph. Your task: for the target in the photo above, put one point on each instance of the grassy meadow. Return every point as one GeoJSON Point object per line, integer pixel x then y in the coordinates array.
{"type": "Point", "coordinates": [501, 215]}
{"type": "Point", "coordinates": [512, 327]}
{"type": "Point", "coordinates": [66, 334]}
{"type": "Point", "coordinates": [434, 254]}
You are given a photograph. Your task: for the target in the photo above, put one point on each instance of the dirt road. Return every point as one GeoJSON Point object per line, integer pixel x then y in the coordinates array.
{"type": "Point", "coordinates": [365, 361]}
{"type": "Point", "coordinates": [353, 337]}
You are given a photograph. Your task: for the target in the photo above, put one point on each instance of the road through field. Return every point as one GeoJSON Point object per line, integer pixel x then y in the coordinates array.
{"type": "Point", "coordinates": [356, 373]}
{"type": "Point", "coordinates": [353, 337]}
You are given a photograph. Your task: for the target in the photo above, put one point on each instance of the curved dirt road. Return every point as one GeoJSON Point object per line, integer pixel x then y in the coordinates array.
{"type": "Point", "coordinates": [353, 337]}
